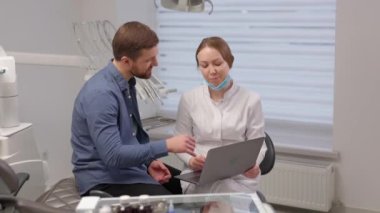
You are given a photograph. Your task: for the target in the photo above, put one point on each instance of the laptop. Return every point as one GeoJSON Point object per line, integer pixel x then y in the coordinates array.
{"type": "Point", "coordinates": [226, 161]}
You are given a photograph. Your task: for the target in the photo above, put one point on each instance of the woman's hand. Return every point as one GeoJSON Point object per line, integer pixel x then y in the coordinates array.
{"type": "Point", "coordinates": [253, 172]}
{"type": "Point", "coordinates": [196, 163]}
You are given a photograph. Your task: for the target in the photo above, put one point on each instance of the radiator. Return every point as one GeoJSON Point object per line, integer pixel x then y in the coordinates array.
{"type": "Point", "coordinates": [309, 186]}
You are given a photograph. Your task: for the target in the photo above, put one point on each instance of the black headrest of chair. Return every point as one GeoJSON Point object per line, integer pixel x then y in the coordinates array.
{"type": "Point", "coordinates": [270, 156]}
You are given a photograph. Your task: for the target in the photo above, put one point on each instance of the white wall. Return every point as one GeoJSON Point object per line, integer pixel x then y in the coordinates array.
{"type": "Point", "coordinates": [143, 11]}
{"type": "Point", "coordinates": [357, 103]}
{"type": "Point", "coordinates": [38, 26]}
{"type": "Point", "coordinates": [119, 11]}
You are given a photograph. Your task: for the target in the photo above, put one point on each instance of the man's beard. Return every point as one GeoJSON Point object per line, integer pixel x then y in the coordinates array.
{"type": "Point", "coordinates": [145, 75]}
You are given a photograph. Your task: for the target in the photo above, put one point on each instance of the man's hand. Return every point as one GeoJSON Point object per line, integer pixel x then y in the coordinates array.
{"type": "Point", "coordinates": [253, 172]}
{"type": "Point", "coordinates": [159, 171]}
{"type": "Point", "coordinates": [181, 144]}
{"type": "Point", "coordinates": [196, 163]}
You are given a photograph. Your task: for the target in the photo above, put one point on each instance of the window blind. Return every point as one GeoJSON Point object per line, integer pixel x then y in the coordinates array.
{"type": "Point", "coordinates": [284, 50]}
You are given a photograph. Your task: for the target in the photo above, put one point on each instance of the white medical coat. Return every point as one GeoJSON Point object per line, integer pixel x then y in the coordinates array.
{"type": "Point", "coordinates": [238, 117]}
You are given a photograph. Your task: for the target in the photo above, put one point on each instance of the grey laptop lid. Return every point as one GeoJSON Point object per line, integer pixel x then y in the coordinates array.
{"type": "Point", "coordinates": [226, 161]}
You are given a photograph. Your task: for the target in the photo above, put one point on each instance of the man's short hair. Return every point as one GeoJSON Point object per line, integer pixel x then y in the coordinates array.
{"type": "Point", "coordinates": [131, 38]}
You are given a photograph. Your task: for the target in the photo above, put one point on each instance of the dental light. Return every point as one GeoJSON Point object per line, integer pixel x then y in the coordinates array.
{"type": "Point", "coordinates": [186, 5]}
{"type": "Point", "coordinates": [8, 91]}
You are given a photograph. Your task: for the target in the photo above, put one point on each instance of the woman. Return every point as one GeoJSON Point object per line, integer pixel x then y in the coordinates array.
{"type": "Point", "coordinates": [219, 114]}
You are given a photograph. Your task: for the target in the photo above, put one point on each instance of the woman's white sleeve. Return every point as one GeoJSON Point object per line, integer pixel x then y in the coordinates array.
{"type": "Point", "coordinates": [255, 125]}
{"type": "Point", "coordinates": [183, 125]}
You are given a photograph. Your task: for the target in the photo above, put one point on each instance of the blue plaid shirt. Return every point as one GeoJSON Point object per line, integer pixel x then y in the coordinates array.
{"type": "Point", "coordinates": [108, 141]}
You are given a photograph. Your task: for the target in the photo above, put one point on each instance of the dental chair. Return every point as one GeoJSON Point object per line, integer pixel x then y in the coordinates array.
{"type": "Point", "coordinates": [63, 197]}
{"type": "Point", "coordinates": [10, 182]}
{"type": "Point", "coordinates": [11, 204]}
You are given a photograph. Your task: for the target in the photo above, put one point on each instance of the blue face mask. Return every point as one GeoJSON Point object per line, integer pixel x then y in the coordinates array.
{"type": "Point", "coordinates": [225, 83]}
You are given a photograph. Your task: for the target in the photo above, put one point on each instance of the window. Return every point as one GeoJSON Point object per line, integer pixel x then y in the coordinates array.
{"type": "Point", "coordinates": [284, 50]}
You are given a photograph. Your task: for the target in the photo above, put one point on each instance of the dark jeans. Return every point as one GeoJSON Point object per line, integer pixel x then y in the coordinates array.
{"type": "Point", "coordinates": [116, 190]}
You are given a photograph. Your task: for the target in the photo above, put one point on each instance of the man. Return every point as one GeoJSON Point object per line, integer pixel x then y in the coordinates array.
{"type": "Point", "coordinates": [111, 150]}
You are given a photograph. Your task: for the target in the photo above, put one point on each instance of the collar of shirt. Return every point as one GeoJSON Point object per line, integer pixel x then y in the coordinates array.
{"type": "Point", "coordinates": [120, 80]}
